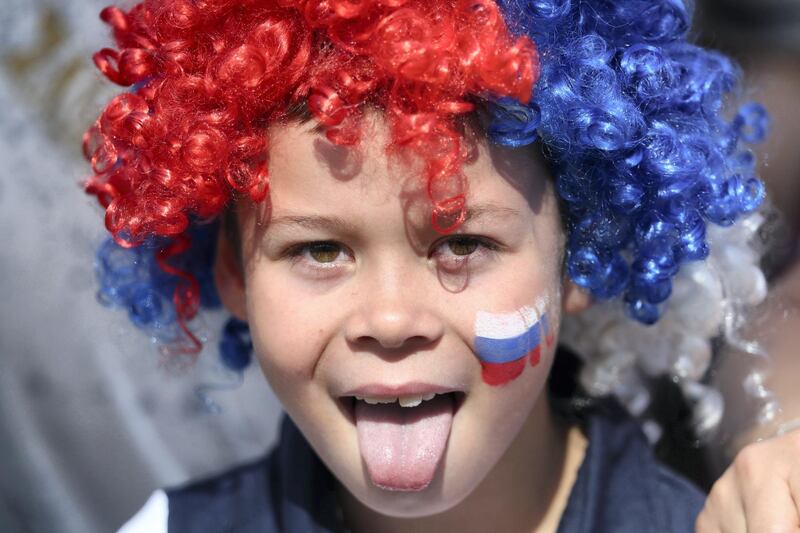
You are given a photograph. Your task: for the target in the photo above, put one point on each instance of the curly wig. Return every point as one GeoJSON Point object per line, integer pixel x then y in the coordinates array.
{"type": "Point", "coordinates": [629, 115]}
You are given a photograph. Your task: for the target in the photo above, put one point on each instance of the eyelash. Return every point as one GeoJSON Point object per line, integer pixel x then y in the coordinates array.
{"type": "Point", "coordinates": [301, 253]}
{"type": "Point", "coordinates": [486, 248]}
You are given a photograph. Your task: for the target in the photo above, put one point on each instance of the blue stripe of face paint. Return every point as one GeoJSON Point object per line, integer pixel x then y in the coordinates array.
{"type": "Point", "coordinates": [511, 349]}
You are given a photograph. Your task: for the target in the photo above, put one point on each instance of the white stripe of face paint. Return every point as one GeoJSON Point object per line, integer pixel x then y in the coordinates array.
{"type": "Point", "coordinates": [541, 305]}
{"type": "Point", "coordinates": [505, 325]}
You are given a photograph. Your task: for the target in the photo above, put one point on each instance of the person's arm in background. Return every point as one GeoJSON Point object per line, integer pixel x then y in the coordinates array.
{"type": "Point", "coordinates": [759, 490]}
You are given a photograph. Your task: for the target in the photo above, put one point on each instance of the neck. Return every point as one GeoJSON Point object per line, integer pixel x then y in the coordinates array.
{"type": "Point", "coordinates": [526, 491]}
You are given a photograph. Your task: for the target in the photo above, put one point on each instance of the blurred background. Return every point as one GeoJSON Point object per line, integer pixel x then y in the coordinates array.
{"type": "Point", "coordinates": [90, 423]}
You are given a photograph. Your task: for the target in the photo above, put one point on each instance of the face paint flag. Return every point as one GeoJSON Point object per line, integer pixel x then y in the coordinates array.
{"type": "Point", "coordinates": [503, 342]}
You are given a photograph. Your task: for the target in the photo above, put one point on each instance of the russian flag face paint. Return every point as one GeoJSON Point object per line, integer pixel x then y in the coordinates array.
{"type": "Point", "coordinates": [505, 341]}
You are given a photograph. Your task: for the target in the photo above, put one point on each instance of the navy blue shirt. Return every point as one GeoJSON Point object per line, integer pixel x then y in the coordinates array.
{"type": "Point", "coordinates": [620, 488]}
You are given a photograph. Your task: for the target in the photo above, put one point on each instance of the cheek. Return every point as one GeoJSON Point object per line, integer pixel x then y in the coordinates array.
{"type": "Point", "coordinates": [502, 410]}
{"type": "Point", "coordinates": [507, 343]}
{"type": "Point", "coordinates": [288, 332]}
{"type": "Point", "coordinates": [515, 323]}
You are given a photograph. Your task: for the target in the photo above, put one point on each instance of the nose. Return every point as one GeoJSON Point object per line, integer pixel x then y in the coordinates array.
{"type": "Point", "coordinates": [395, 311]}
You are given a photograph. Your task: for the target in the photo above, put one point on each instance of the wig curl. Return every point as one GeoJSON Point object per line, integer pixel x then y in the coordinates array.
{"type": "Point", "coordinates": [209, 76]}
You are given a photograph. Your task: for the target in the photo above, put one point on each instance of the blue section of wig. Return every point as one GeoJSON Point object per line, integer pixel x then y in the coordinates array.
{"type": "Point", "coordinates": [629, 117]}
{"type": "Point", "coordinates": [131, 279]}
{"type": "Point", "coordinates": [236, 347]}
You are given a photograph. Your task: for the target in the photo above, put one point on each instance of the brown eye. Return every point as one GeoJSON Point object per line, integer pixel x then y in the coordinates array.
{"type": "Point", "coordinates": [324, 252]}
{"type": "Point", "coordinates": [462, 246]}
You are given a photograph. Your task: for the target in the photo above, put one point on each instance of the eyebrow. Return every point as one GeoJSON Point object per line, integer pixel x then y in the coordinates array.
{"type": "Point", "coordinates": [340, 225]}
{"type": "Point", "coordinates": [314, 222]}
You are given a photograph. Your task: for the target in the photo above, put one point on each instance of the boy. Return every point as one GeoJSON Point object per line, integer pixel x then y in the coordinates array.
{"type": "Point", "coordinates": [402, 280]}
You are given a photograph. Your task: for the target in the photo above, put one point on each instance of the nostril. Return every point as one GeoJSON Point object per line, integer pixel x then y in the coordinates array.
{"type": "Point", "coordinates": [382, 342]}
{"type": "Point", "coordinates": [393, 327]}
{"type": "Point", "coordinates": [394, 343]}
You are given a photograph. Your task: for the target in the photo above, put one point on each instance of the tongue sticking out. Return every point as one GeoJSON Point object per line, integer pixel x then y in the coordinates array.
{"type": "Point", "coordinates": [402, 446]}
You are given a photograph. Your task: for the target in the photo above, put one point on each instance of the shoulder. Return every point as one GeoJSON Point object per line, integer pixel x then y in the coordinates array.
{"type": "Point", "coordinates": [238, 500]}
{"type": "Point", "coordinates": [151, 518]}
{"type": "Point", "coordinates": [663, 499]}
{"type": "Point", "coordinates": [241, 499]}
{"type": "Point", "coordinates": [287, 490]}
{"type": "Point", "coordinates": [680, 499]}
{"type": "Point", "coordinates": [621, 487]}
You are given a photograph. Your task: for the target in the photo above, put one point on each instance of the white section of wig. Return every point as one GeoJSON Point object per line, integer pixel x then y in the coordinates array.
{"type": "Point", "coordinates": [709, 301]}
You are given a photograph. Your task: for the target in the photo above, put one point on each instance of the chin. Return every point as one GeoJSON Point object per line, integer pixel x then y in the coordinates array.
{"type": "Point", "coordinates": [430, 500]}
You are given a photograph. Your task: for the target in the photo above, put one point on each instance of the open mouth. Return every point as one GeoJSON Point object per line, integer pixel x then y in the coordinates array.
{"type": "Point", "coordinates": [347, 404]}
{"type": "Point", "coordinates": [402, 439]}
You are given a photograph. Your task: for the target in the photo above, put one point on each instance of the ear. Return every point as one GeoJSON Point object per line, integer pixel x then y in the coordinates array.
{"type": "Point", "coordinates": [229, 278]}
{"type": "Point", "coordinates": [574, 299]}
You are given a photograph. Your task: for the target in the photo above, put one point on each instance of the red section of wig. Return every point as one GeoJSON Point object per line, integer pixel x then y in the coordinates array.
{"type": "Point", "coordinates": [211, 75]}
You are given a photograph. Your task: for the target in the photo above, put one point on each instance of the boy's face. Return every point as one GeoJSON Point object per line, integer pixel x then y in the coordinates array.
{"type": "Point", "coordinates": [349, 292]}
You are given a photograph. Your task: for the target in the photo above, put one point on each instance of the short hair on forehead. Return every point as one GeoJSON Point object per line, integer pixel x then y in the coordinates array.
{"type": "Point", "coordinates": [230, 231]}
{"type": "Point", "coordinates": [488, 210]}
{"type": "Point", "coordinates": [473, 125]}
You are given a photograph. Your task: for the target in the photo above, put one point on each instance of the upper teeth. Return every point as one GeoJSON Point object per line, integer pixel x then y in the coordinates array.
{"type": "Point", "coordinates": [405, 401]}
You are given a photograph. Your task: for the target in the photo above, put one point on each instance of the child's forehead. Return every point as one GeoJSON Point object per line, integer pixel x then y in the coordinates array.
{"type": "Point", "coordinates": [306, 167]}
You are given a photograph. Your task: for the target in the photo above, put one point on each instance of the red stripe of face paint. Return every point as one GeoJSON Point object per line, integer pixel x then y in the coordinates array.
{"type": "Point", "coordinates": [550, 339]}
{"type": "Point", "coordinates": [536, 354]}
{"type": "Point", "coordinates": [495, 374]}
{"type": "Point", "coordinates": [501, 373]}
